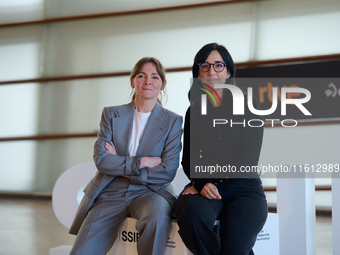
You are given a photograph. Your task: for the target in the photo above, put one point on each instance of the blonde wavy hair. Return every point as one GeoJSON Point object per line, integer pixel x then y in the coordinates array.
{"type": "Point", "coordinates": [160, 70]}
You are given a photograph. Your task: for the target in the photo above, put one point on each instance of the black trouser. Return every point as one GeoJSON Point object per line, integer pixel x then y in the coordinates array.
{"type": "Point", "coordinates": [242, 212]}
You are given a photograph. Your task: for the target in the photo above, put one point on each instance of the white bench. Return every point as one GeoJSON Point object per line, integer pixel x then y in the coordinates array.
{"type": "Point", "coordinates": [68, 192]}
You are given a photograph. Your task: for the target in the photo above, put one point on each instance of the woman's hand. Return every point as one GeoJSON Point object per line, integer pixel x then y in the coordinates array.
{"type": "Point", "coordinates": [210, 191]}
{"type": "Point", "coordinates": [150, 162]}
{"type": "Point", "coordinates": [190, 191]}
{"type": "Point", "coordinates": [110, 148]}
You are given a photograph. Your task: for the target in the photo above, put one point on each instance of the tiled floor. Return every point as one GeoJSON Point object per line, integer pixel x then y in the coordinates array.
{"type": "Point", "coordinates": [30, 227]}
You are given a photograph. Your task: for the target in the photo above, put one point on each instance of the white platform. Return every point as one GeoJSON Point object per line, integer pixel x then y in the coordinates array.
{"type": "Point", "coordinates": [267, 241]}
{"type": "Point", "coordinates": [67, 194]}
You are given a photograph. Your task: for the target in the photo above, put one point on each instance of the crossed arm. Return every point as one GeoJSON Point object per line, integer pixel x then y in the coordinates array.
{"type": "Point", "coordinates": [157, 168]}
{"type": "Point", "coordinates": [144, 162]}
{"type": "Point", "coordinates": [209, 190]}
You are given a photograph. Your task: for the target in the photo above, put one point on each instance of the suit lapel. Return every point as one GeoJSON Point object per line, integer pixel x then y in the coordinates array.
{"type": "Point", "coordinates": [153, 130]}
{"type": "Point", "coordinates": [122, 128]}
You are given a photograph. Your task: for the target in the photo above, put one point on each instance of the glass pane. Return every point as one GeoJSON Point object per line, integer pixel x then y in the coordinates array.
{"type": "Point", "coordinates": [21, 10]}
{"type": "Point", "coordinates": [104, 45]}
{"type": "Point", "coordinates": [36, 165]}
{"type": "Point", "coordinates": [19, 110]}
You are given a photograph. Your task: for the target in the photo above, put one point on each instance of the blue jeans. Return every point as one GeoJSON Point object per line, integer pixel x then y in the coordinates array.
{"type": "Point", "coordinates": [242, 212]}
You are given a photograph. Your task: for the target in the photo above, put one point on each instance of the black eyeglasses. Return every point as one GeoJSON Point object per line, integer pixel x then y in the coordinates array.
{"type": "Point", "coordinates": [218, 66]}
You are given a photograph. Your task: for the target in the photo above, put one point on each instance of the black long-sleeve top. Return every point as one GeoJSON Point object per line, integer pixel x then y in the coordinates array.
{"type": "Point", "coordinates": [237, 145]}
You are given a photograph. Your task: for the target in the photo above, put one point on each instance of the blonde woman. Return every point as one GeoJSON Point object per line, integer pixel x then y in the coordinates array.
{"type": "Point", "coordinates": [137, 156]}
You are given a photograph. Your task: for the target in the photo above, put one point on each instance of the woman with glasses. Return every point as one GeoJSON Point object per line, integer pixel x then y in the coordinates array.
{"type": "Point", "coordinates": [137, 156]}
{"type": "Point", "coordinates": [234, 198]}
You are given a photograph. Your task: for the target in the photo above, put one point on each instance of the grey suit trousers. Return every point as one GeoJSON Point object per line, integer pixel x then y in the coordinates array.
{"type": "Point", "coordinates": [120, 200]}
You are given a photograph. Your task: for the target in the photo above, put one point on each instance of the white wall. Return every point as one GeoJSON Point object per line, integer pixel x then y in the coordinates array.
{"type": "Point", "coordinates": [251, 31]}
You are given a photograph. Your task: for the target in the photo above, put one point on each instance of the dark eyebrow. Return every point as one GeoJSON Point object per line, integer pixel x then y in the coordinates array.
{"type": "Point", "coordinates": [217, 61]}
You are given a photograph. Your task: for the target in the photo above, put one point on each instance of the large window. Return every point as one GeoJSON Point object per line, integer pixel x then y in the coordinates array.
{"type": "Point", "coordinates": [251, 31]}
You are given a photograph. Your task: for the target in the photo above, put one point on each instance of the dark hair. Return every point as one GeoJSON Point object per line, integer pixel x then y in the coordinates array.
{"type": "Point", "coordinates": [201, 57]}
{"type": "Point", "coordinates": [204, 53]}
{"type": "Point", "coordinates": [160, 70]}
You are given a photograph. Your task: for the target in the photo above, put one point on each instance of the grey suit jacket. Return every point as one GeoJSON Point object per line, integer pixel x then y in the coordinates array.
{"type": "Point", "coordinates": [161, 138]}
